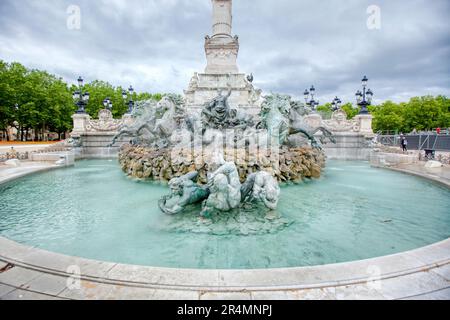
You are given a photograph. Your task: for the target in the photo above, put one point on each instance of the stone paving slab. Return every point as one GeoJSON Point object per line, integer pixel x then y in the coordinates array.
{"type": "Point", "coordinates": [4, 290]}
{"type": "Point", "coordinates": [26, 295]}
{"type": "Point", "coordinates": [433, 254]}
{"type": "Point", "coordinates": [321, 276]}
{"type": "Point", "coordinates": [358, 292]}
{"type": "Point", "coordinates": [175, 295]}
{"type": "Point", "coordinates": [225, 296]}
{"type": "Point", "coordinates": [48, 284]}
{"type": "Point", "coordinates": [443, 271]}
{"type": "Point", "coordinates": [88, 291]}
{"type": "Point", "coordinates": [437, 295]}
{"type": "Point", "coordinates": [18, 277]}
{"type": "Point", "coordinates": [412, 285]}
{"type": "Point", "coordinates": [165, 276]}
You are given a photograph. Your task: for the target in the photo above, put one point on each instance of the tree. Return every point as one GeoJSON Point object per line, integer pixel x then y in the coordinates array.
{"type": "Point", "coordinates": [350, 110]}
{"type": "Point", "coordinates": [420, 113]}
{"type": "Point", "coordinates": [325, 110]}
{"type": "Point", "coordinates": [44, 101]}
{"type": "Point", "coordinates": [425, 113]}
{"type": "Point", "coordinates": [388, 117]}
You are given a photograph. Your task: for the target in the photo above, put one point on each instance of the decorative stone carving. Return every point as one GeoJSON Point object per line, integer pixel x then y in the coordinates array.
{"type": "Point", "coordinates": [255, 97]}
{"type": "Point", "coordinates": [193, 84]}
{"type": "Point", "coordinates": [105, 123]}
{"type": "Point", "coordinates": [339, 122]}
{"type": "Point", "coordinates": [217, 114]}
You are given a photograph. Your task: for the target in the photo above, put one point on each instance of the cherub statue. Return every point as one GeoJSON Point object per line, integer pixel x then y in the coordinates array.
{"type": "Point", "coordinates": [225, 189]}
{"type": "Point", "coordinates": [184, 192]}
{"type": "Point", "coordinates": [261, 186]}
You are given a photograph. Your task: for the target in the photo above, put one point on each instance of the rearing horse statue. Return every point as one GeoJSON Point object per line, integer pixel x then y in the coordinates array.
{"type": "Point", "coordinates": [159, 122]}
{"type": "Point", "coordinates": [280, 119]}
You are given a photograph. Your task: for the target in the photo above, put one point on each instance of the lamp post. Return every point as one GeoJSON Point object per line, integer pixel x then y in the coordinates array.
{"type": "Point", "coordinates": [336, 104]}
{"type": "Point", "coordinates": [107, 103]}
{"type": "Point", "coordinates": [81, 98]}
{"type": "Point", "coordinates": [364, 98]}
{"type": "Point", "coordinates": [309, 98]}
{"type": "Point", "coordinates": [129, 96]}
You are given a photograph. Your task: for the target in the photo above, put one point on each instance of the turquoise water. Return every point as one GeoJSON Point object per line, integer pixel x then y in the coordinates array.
{"type": "Point", "coordinates": [353, 212]}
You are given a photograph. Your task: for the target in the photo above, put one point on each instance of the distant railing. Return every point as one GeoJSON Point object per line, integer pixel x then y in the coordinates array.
{"type": "Point", "coordinates": [420, 141]}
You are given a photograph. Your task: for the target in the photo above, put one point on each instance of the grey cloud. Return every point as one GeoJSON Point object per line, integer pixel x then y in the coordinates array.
{"type": "Point", "coordinates": [156, 45]}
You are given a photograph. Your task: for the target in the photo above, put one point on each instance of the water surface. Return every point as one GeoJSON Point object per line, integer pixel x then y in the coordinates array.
{"type": "Point", "coordinates": [353, 212]}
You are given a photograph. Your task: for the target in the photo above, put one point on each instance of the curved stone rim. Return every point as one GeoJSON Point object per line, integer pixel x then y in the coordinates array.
{"type": "Point", "coordinates": [218, 280]}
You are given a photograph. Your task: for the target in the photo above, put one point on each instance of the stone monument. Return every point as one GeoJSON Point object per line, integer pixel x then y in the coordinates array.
{"type": "Point", "coordinates": [221, 71]}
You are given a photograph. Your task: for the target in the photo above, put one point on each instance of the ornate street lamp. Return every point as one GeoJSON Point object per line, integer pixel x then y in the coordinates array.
{"type": "Point", "coordinates": [309, 98]}
{"type": "Point", "coordinates": [81, 98]}
{"type": "Point", "coordinates": [336, 104]}
{"type": "Point", "coordinates": [129, 96]}
{"type": "Point", "coordinates": [364, 98]}
{"type": "Point", "coordinates": [107, 103]}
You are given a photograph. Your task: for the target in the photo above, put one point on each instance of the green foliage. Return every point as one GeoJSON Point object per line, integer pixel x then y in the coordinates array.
{"type": "Point", "coordinates": [148, 96]}
{"type": "Point", "coordinates": [350, 110]}
{"type": "Point", "coordinates": [99, 91]}
{"type": "Point", "coordinates": [45, 102]}
{"type": "Point", "coordinates": [420, 113]}
{"type": "Point", "coordinates": [325, 110]}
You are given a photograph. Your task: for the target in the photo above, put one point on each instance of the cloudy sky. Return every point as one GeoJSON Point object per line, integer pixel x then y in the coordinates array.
{"type": "Point", "coordinates": [157, 45]}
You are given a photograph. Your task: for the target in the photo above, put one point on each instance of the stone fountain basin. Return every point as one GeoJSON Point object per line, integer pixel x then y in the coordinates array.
{"type": "Point", "coordinates": [421, 272]}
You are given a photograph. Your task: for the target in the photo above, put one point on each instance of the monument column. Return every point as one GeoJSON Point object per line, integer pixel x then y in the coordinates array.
{"type": "Point", "coordinates": [222, 17]}
{"type": "Point", "coordinates": [222, 48]}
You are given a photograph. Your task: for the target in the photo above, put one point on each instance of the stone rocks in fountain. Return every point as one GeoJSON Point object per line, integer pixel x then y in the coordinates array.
{"type": "Point", "coordinates": [287, 165]}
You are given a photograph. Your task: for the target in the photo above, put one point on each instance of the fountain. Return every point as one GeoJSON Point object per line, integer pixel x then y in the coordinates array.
{"type": "Point", "coordinates": [223, 145]}
{"type": "Point", "coordinates": [223, 158]}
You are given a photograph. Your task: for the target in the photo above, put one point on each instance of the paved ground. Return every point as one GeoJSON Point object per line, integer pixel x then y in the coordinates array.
{"type": "Point", "coordinates": [23, 147]}
{"type": "Point", "coordinates": [31, 274]}
{"type": "Point", "coordinates": [8, 173]}
{"type": "Point", "coordinates": [438, 174]}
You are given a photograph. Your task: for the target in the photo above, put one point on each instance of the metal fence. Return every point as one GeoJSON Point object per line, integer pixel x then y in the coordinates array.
{"type": "Point", "coordinates": [418, 141]}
